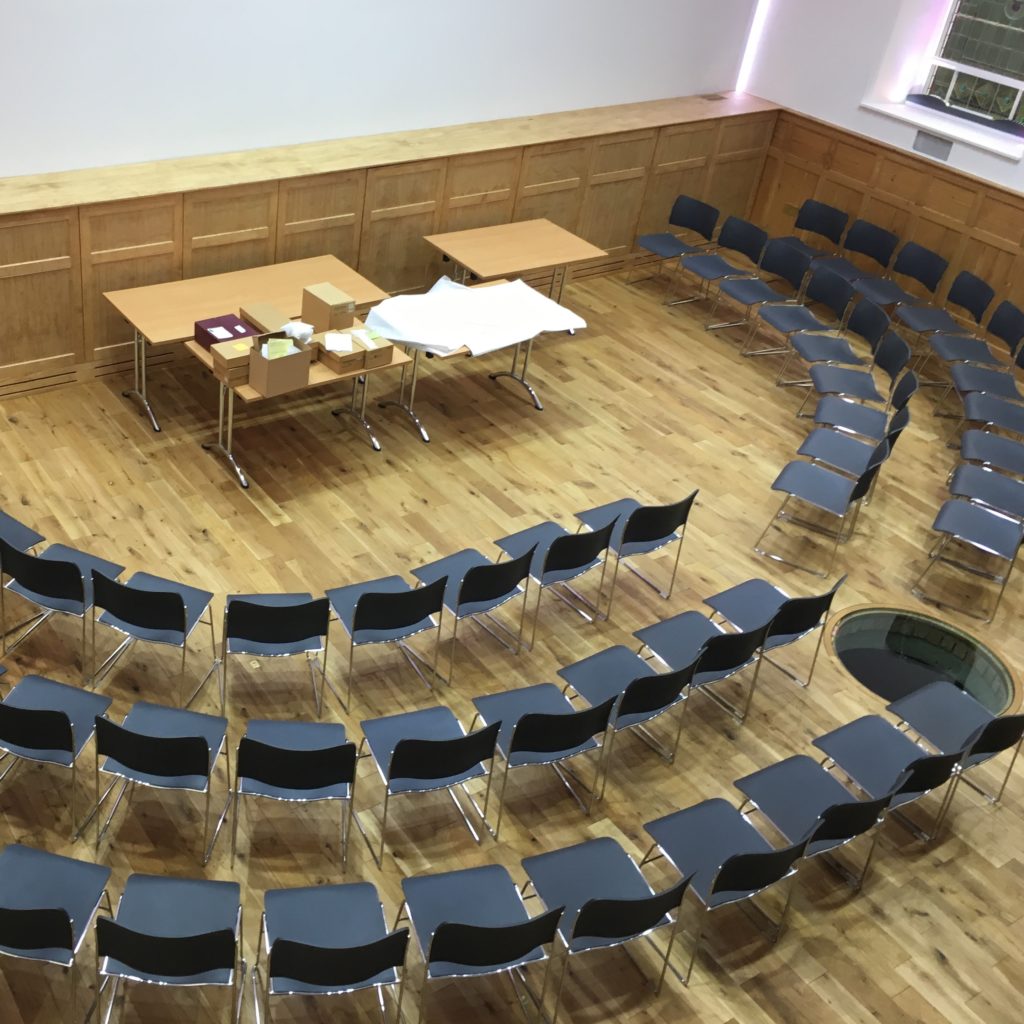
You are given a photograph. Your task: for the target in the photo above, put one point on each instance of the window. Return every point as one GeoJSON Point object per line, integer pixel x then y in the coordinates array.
{"type": "Point", "coordinates": [978, 71]}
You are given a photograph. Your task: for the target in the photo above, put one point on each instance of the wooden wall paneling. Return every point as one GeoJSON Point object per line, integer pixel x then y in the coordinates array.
{"type": "Point", "coordinates": [41, 299]}
{"type": "Point", "coordinates": [403, 203]}
{"type": "Point", "coordinates": [553, 182]}
{"type": "Point", "coordinates": [480, 189]}
{"type": "Point", "coordinates": [229, 228]}
{"type": "Point", "coordinates": [680, 167]}
{"type": "Point", "coordinates": [321, 215]}
{"type": "Point", "coordinates": [124, 245]}
{"type": "Point", "coordinates": [735, 169]}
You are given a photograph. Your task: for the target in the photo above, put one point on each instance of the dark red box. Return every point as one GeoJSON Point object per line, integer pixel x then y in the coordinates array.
{"type": "Point", "coordinates": [234, 326]}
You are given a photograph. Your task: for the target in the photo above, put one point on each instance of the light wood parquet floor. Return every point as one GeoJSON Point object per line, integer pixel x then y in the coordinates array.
{"type": "Point", "coordinates": [645, 403]}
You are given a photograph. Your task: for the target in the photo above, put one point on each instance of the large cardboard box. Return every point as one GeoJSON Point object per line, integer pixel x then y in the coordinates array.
{"type": "Point", "coordinates": [327, 307]}
{"type": "Point", "coordinates": [264, 315]}
{"type": "Point", "coordinates": [228, 327]}
{"type": "Point", "coordinates": [340, 362]}
{"type": "Point", "coordinates": [272, 377]}
{"type": "Point", "coordinates": [231, 361]}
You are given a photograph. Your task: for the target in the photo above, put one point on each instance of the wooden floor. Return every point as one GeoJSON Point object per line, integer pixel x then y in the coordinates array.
{"type": "Point", "coordinates": [642, 403]}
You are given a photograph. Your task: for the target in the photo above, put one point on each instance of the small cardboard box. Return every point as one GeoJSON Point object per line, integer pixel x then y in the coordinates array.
{"type": "Point", "coordinates": [327, 307]}
{"type": "Point", "coordinates": [378, 352]}
{"type": "Point", "coordinates": [272, 377]}
{"type": "Point", "coordinates": [231, 361]}
{"type": "Point", "coordinates": [228, 327]}
{"type": "Point", "coordinates": [265, 316]}
{"type": "Point", "coordinates": [340, 362]}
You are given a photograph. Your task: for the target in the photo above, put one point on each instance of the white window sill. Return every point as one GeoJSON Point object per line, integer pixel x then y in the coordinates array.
{"type": "Point", "coordinates": [948, 126]}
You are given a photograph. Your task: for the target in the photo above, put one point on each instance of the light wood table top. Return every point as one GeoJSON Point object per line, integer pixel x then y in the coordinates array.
{"type": "Point", "coordinates": [166, 313]}
{"type": "Point", "coordinates": [503, 250]}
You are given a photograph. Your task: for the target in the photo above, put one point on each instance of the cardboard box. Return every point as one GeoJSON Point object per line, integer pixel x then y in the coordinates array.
{"type": "Point", "coordinates": [327, 307]}
{"type": "Point", "coordinates": [272, 377]}
{"type": "Point", "coordinates": [264, 315]}
{"type": "Point", "coordinates": [228, 327]}
{"type": "Point", "coordinates": [231, 361]}
{"type": "Point", "coordinates": [379, 354]}
{"type": "Point", "coordinates": [340, 362]}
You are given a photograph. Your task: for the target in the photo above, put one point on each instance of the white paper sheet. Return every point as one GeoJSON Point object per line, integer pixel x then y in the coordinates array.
{"type": "Point", "coordinates": [220, 333]}
{"type": "Point", "coordinates": [483, 320]}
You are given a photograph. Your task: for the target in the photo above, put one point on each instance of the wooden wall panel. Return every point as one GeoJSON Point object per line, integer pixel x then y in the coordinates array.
{"type": "Point", "coordinates": [41, 298]}
{"type": "Point", "coordinates": [229, 229]}
{"type": "Point", "coordinates": [403, 203]}
{"type": "Point", "coordinates": [735, 167]}
{"type": "Point", "coordinates": [553, 182]}
{"type": "Point", "coordinates": [124, 245]}
{"type": "Point", "coordinates": [321, 215]}
{"type": "Point", "coordinates": [680, 167]}
{"type": "Point", "coordinates": [480, 189]}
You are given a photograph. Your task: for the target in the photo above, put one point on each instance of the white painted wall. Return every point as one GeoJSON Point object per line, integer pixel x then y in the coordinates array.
{"type": "Point", "coordinates": [115, 81]}
{"type": "Point", "coordinates": [825, 57]}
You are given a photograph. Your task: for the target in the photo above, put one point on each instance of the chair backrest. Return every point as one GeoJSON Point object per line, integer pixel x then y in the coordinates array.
{"type": "Point", "coordinates": [36, 928]}
{"type": "Point", "coordinates": [46, 576]}
{"type": "Point", "coordinates": [178, 957]}
{"type": "Point", "coordinates": [864, 481]}
{"type": "Point", "coordinates": [869, 321]}
{"type": "Point", "coordinates": [830, 289]}
{"type": "Point", "coordinates": [296, 769]}
{"type": "Point", "coordinates": [923, 265]}
{"type": "Point", "coordinates": [925, 774]}
{"type": "Point", "coordinates": [906, 388]}
{"type": "Point", "coordinates": [627, 919]}
{"type": "Point", "coordinates": [898, 422]}
{"type": "Point", "coordinates": [337, 968]}
{"type": "Point", "coordinates": [575, 550]}
{"type": "Point", "coordinates": [147, 609]}
{"type": "Point", "coordinates": [479, 946]}
{"type": "Point", "coordinates": [970, 292]}
{"type": "Point", "coordinates": [749, 873]}
{"type": "Point", "coordinates": [731, 650]}
{"type": "Point", "coordinates": [872, 241]}
{"type": "Point", "coordinates": [652, 693]}
{"type": "Point", "coordinates": [35, 729]}
{"type": "Point", "coordinates": [491, 582]}
{"type": "Point", "coordinates": [443, 759]}
{"type": "Point", "coordinates": [1007, 324]}
{"type": "Point", "coordinates": [802, 614]}
{"type": "Point", "coordinates": [276, 624]}
{"type": "Point", "coordinates": [657, 522]}
{"type": "Point", "coordinates": [892, 355]}
{"type": "Point", "coordinates": [169, 757]}
{"type": "Point", "coordinates": [741, 236]}
{"type": "Point", "coordinates": [821, 219]}
{"type": "Point", "coordinates": [398, 610]}
{"type": "Point", "coordinates": [691, 213]}
{"type": "Point", "coordinates": [996, 736]}
{"type": "Point", "coordinates": [781, 259]}
{"type": "Point", "coordinates": [554, 734]}
{"type": "Point", "coordinates": [842, 822]}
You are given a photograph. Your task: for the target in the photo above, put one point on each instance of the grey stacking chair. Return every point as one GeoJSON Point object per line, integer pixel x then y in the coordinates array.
{"type": "Point", "coordinates": [817, 218]}
{"type": "Point", "coordinates": [865, 420]}
{"type": "Point", "coordinates": [690, 215]}
{"type": "Point", "coordinates": [844, 452]}
{"type": "Point", "coordinates": [992, 490]}
{"type": "Point", "coordinates": [993, 451]}
{"type": "Point", "coordinates": [737, 236]}
{"type": "Point", "coordinates": [913, 262]}
{"type": "Point", "coordinates": [864, 239]}
{"type": "Point", "coordinates": [968, 291]}
{"type": "Point", "coordinates": [1005, 325]}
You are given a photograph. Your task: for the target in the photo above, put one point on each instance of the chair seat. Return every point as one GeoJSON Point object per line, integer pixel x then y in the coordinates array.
{"type": "Point", "coordinates": [852, 416]}
{"type": "Point", "coordinates": [792, 794]}
{"type": "Point", "coordinates": [343, 602]}
{"type": "Point", "coordinates": [32, 879]}
{"type": "Point", "coordinates": [196, 602]}
{"type": "Point", "coordinates": [999, 452]}
{"type": "Point", "coordinates": [257, 649]}
{"type": "Point", "coordinates": [665, 245]}
{"type": "Point", "coordinates": [748, 605]}
{"type": "Point", "coordinates": [597, 518]}
{"type": "Point", "coordinates": [484, 896]}
{"type": "Point", "coordinates": [512, 705]}
{"type": "Point", "coordinates": [175, 908]}
{"type": "Point", "coordinates": [981, 407]}
{"type": "Point", "coordinates": [678, 640]}
{"type": "Point", "coordinates": [17, 534]}
{"type": "Point", "coordinates": [943, 714]}
{"type": "Point", "coordinates": [839, 380]}
{"type": "Point", "coordinates": [824, 348]}
{"type": "Point", "coordinates": [699, 839]}
{"type": "Point", "coordinates": [82, 707]}
{"type": "Point", "coordinates": [883, 292]}
{"type": "Point", "coordinates": [595, 869]}
{"type": "Point", "coordinates": [816, 485]}
{"type": "Point", "coordinates": [455, 568]}
{"type": "Point", "coordinates": [85, 562]}
{"type": "Point", "coordinates": [710, 266]}
{"type": "Point", "coordinates": [794, 242]}
{"type": "Point", "coordinates": [789, 319]}
{"type": "Point", "coordinates": [328, 916]}
{"type": "Point", "coordinates": [750, 291]}
{"type": "Point", "coordinates": [606, 674]}
{"type": "Point", "coordinates": [977, 526]}
{"type": "Point", "coordinates": [926, 318]}
{"type": "Point", "coordinates": [962, 348]}
{"type": "Point", "coordinates": [840, 265]}
{"type": "Point", "coordinates": [295, 736]}
{"type": "Point", "coordinates": [840, 451]}
{"type": "Point", "coordinates": [384, 734]}
{"type": "Point", "coordinates": [164, 722]}
{"type": "Point", "coordinates": [989, 488]}
{"type": "Point", "coordinates": [967, 377]}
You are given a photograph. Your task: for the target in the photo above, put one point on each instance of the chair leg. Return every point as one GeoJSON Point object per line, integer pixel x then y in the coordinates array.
{"type": "Point", "coordinates": [234, 824]}
{"type": "Point", "coordinates": [383, 828]}
{"type": "Point", "coordinates": [696, 944]}
{"type": "Point", "coordinates": [536, 615]}
{"type": "Point", "coordinates": [668, 949]}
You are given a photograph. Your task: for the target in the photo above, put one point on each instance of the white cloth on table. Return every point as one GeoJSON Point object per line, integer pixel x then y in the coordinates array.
{"type": "Point", "coordinates": [483, 319]}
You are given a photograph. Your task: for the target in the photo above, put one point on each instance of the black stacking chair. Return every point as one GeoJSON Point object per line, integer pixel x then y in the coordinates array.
{"type": "Point", "coordinates": [913, 262]}
{"type": "Point", "coordinates": [802, 800]}
{"type": "Point", "coordinates": [560, 556]}
{"type": "Point", "coordinates": [992, 450]}
{"type": "Point", "coordinates": [607, 901]}
{"type": "Point", "coordinates": [993, 490]}
{"type": "Point", "coordinates": [726, 859]}
{"type": "Point", "coordinates": [863, 239]}
{"type": "Point", "coordinates": [882, 761]}
{"type": "Point", "coordinates": [682, 639]}
{"type": "Point", "coordinates": [47, 904]}
{"type": "Point", "coordinates": [174, 932]}
{"type": "Point", "coordinates": [830, 493]}
{"type": "Point", "coordinates": [296, 762]}
{"type": "Point", "coordinates": [476, 588]}
{"type": "Point", "coordinates": [891, 357]}
{"type": "Point", "coordinates": [688, 214]}
{"type": "Point", "coordinates": [737, 236]}
{"type": "Point", "coordinates": [641, 530]}
{"type": "Point", "coordinates": [950, 719]}
{"type": "Point", "coordinates": [968, 527]}
{"type": "Point", "coordinates": [162, 748]}
{"type": "Point", "coordinates": [757, 602]}
{"type": "Point", "coordinates": [537, 725]}
{"type": "Point", "coordinates": [49, 723]}
{"type": "Point", "coordinates": [389, 611]}
{"type": "Point", "coordinates": [780, 263]}
{"type": "Point", "coordinates": [472, 923]}
{"type": "Point", "coordinates": [328, 940]}
{"type": "Point", "coordinates": [968, 292]}
{"type": "Point", "coordinates": [854, 418]}
{"type": "Point", "coordinates": [844, 452]}
{"type": "Point", "coordinates": [278, 626]}
{"type": "Point", "coordinates": [59, 581]}
{"type": "Point", "coordinates": [154, 610]}
{"type": "Point", "coordinates": [1006, 325]}
{"type": "Point", "coordinates": [817, 218]}
{"type": "Point", "coordinates": [426, 751]}
{"type": "Point", "coordinates": [643, 694]}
